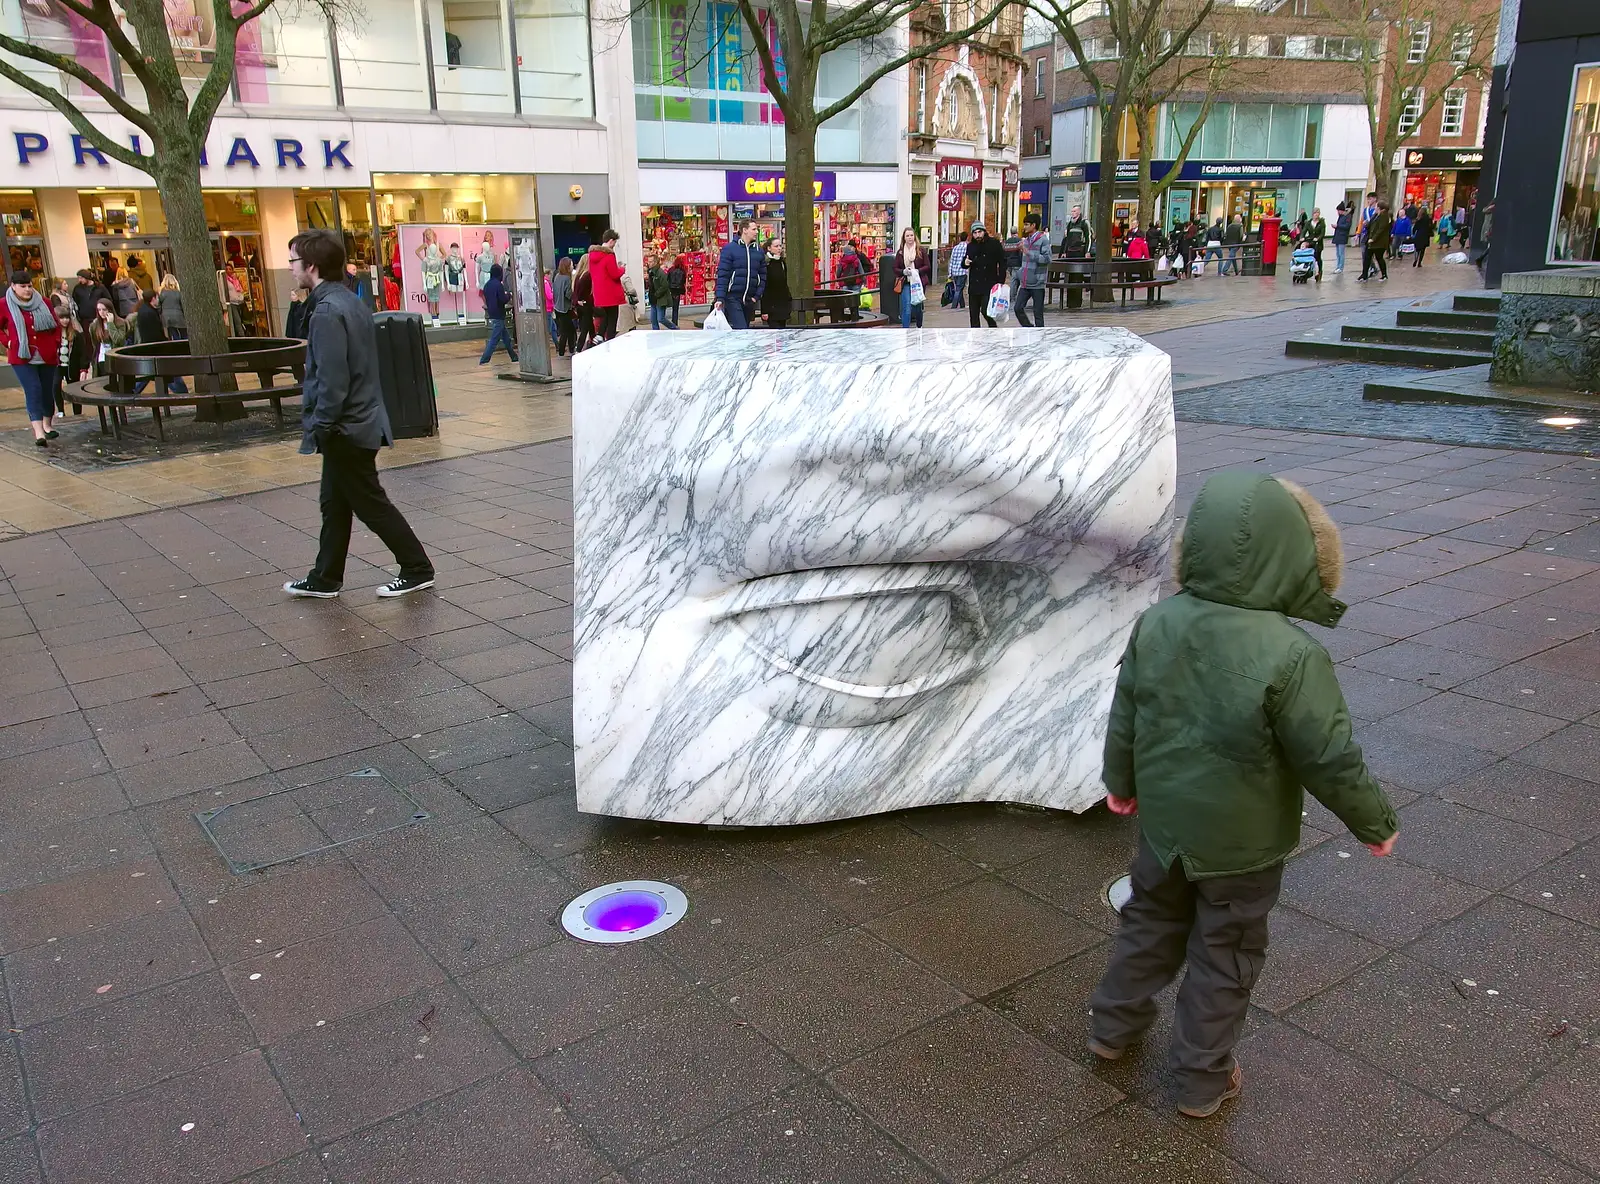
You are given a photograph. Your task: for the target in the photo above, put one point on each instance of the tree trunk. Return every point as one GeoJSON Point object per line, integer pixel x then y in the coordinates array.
{"type": "Point", "coordinates": [1106, 189]}
{"type": "Point", "coordinates": [799, 209]}
{"type": "Point", "coordinates": [1147, 189]}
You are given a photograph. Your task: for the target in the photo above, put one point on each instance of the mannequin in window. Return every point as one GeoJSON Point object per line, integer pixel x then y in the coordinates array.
{"type": "Point", "coordinates": [455, 280]}
{"type": "Point", "coordinates": [484, 260]}
{"type": "Point", "coordinates": [432, 271]}
{"type": "Point", "coordinates": [452, 50]}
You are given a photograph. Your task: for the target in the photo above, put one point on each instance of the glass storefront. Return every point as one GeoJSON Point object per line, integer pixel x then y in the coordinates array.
{"type": "Point", "coordinates": [698, 233]}
{"type": "Point", "coordinates": [24, 236]}
{"type": "Point", "coordinates": [126, 231]}
{"type": "Point", "coordinates": [1442, 192]}
{"type": "Point", "coordinates": [1575, 233]}
{"type": "Point", "coordinates": [379, 61]}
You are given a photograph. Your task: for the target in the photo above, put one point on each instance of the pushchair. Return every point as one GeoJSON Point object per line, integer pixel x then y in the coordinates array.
{"type": "Point", "coordinates": [1302, 264]}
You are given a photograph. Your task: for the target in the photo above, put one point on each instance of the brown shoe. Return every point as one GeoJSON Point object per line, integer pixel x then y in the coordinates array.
{"type": "Point", "coordinates": [1235, 1085]}
{"type": "Point", "coordinates": [1104, 1051]}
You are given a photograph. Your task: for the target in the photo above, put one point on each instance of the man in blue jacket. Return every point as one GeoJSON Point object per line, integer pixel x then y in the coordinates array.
{"type": "Point", "coordinates": [741, 277]}
{"type": "Point", "coordinates": [343, 418]}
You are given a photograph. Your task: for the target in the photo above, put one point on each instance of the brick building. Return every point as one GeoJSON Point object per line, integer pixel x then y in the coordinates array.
{"type": "Point", "coordinates": [1441, 154]}
{"type": "Point", "coordinates": [965, 117]}
{"type": "Point", "coordinates": [1287, 131]}
{"type": "Point", "coordinates": [1038, 95]}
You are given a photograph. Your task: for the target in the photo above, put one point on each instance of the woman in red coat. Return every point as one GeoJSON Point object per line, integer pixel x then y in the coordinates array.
{"type": "Point", "coordinates": [32, 337]}
{"type": "Point", "coordinates": [606, 275]}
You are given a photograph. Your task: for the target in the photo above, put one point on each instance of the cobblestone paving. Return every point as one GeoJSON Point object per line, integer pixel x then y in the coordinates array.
{"type": "Point", "coordinates": [893, 999]}
{"type": "Point", "coordinates": [1328, 399]}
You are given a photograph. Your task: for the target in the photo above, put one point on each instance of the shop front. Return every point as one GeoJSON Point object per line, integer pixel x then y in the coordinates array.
{"type": "Point", "coordinates": [1204, 190]}
{"type": "Point", "coordinates": [265, 183]}
{"type": "Point", "coordinates": [1443, 179]}
{"type": "Point", "coordinates": [691, 213]}
{"type": "Point", "coordinates": [1032, 198]}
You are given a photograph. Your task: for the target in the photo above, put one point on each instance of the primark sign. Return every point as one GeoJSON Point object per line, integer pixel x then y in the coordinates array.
{"type": "Point", "coordinates": [282, 152]}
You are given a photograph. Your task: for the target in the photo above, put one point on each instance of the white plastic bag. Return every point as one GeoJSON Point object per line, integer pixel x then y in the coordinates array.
{"type": "Point", "coordinates": [914, 291]}
{"type": "Point", "coordinates": [1163, 265]}
{"type": "Point", "coordinates": [1456, 257]}
{"type": "Point", "coordinates": [715, 321]}
{"type": "Point", "coordinates": [999, 302]}
{"type": "Point", "coordinates": [1199, 268]}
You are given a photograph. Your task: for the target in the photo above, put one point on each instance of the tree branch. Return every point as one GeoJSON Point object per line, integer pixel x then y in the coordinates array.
{"type": "Point", "coordinates": [769, 64]}
{"type": "Point", "coordinates": [915, 53]}
{"type": "Point", "coordinates": [87, 130]}
{"type": "Point", "coordinates": [83, 74]}
{"type": "Point", "coordinates": [102, 17]}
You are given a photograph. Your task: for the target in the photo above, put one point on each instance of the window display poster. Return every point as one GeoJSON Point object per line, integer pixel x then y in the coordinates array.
{"type": "Point", "coordinates": [525, 281]}
{"type": "Point", "coordinates": [449, 277]}
{"type": "Point", "coordinates": [1180, 204]}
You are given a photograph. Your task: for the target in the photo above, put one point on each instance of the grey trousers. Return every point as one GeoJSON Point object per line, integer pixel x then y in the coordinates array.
{"type": "Point", "coordinates": [1220, 926]}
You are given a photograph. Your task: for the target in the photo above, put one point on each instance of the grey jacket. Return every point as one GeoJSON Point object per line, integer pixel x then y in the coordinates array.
{"type": "Point", "coordinates": [342, 394]}
{"type": "Point", "coordinates": [1035, 259]}
{"type": "Point", "coordinates": [171, 305]}
{"type": "Point", "coordinates": [561, 293]}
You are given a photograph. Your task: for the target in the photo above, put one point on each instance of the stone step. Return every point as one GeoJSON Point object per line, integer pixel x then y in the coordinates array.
{"type": "Point", "coordinates": [1467, 339]}
{"type": "Point", "coordinates": [1476, 302]}
{"type": "Point", "coordinates": [1446, 319]}
{"type": "Point", "coordinates": [1384, 354]}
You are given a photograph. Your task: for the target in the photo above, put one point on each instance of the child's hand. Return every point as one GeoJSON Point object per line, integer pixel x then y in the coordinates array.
{"type": "Point", "coordinates": [1385, 847]}
{"type": "Point", "coordinates": [1129, 806]}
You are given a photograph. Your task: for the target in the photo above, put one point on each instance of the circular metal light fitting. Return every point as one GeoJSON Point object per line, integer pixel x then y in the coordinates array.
{"type": "Point", "coordinates": [628, 910]}
{"type": "Point", "coordinates": [1119, 892]}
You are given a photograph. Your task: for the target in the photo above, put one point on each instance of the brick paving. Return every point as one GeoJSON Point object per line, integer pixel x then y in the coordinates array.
{"type": "Point", "coordinates": [892, 999]}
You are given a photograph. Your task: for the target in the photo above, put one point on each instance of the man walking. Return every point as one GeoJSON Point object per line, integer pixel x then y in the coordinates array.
{"type": "Point", "coordinates": [741, 277]}
{"type": "Point", "coordinates": [609, 294]}
{"type": "Point", "coordinates": [986, 267]}
{"type": "Point", "coordinates": [1035, 271]}
{"type": "Point", "coordinates": [344, 419]}
{"type": "Point", "coordinates": [958, 271]}
{"type": "Point", "coordinates": [1075, 239]}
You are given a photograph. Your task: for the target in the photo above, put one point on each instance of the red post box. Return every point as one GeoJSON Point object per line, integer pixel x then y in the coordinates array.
{"type": "Point", "coordinates": [1270, 227]}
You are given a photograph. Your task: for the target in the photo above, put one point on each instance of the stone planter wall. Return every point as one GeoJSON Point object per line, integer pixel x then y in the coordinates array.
{"type": "Point", "coordinates": [1548, 331]}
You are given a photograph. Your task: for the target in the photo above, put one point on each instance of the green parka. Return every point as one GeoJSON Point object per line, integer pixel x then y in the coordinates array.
{"type": "Point", "coordinates": [1224, 710]}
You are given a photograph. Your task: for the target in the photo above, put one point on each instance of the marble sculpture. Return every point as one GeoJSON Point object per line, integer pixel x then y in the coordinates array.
{"type": "Point", "coordinates": [829, 573]}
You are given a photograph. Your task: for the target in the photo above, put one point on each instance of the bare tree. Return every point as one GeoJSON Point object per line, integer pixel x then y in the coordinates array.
{"type": "Point", "coordinates": [1410, 53]}
{"type": "Point", "coordinates": [1201, 69]}
{"type": "Point", "coordinates": [1126, 69]}
{"type": "Point", "coordinates": [806, 34]}
{"type": "Point", "coordinates": [173, 124]}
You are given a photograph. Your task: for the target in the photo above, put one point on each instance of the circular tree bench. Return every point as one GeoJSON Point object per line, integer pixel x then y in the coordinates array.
{"type": "Point", "coordinates": [278, 363]}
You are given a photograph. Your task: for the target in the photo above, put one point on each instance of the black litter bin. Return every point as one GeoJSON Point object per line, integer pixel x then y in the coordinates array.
{"type": "Point", "coordinates": [888, 298]}
{"type": "Point", "coordinates": [406, 374]}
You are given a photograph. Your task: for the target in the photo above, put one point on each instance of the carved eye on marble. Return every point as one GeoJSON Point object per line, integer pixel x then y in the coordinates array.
{"type": "Point", "coordinates": [849, 646]}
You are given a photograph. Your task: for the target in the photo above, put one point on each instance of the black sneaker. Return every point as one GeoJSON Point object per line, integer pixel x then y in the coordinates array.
{"type": "Point", "coordinates": [405, 584]}
{"type": "Point", "coordinates": [306, 588]}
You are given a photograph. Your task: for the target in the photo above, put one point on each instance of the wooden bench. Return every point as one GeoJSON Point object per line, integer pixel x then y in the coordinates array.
{"type": "Point", "coordinates": [1152, 288]}
{"type": "Point", "coordinates": [212, 379]}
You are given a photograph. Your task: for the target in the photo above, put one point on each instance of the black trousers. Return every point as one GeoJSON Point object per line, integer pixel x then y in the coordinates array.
{"type": "Point", "coordinates": [1369, 257]}
{"type": "Point", "coordinates": [978, 300]}
{"type": "Point", "coordinates": [1220, 926]}
{"type": "Point", "coordinates": [350, 486]}
{"type": "Point", "coordinates": [608, 321]}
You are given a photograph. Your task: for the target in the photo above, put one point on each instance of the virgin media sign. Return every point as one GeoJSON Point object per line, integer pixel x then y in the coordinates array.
{"type": "Point", "coordinates": [966, 173]}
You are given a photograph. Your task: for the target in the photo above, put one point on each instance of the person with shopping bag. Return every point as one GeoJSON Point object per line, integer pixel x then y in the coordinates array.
{"type": "Point", "coordinates": [1035, 271]}
{"type": "Point", "coordinates": [741, 277]}
{"type": "Point", "coordinates": [986, 268]}
{"type": "Point", "coordinates": [915, 266]}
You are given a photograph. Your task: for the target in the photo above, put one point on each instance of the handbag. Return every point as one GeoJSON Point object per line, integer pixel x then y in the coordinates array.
{"type": "Point", "coordinates": [899, 285]}
{"type": "Point", "coordinates": [948, 296]}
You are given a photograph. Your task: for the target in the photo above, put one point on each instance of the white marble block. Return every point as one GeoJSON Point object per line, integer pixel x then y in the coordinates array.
{"type": "Point", "coordinates": [833, 572]}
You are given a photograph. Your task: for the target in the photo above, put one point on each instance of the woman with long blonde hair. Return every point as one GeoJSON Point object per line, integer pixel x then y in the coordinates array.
{"type": "Point", "coordinates": [171, 305]}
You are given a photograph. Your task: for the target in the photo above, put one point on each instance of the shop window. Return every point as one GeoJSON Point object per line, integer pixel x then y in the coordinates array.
{"type": "Point", "coordinates": [24, 236]}
{"type": "Point", "coordinates": [1575, 236]}
{"type": "Point", "coordinates": [52, 27]}
{"type": "Point", "coordinates": [1217, 133]}
{"type": "Point", "coordinates": [1181, 118]}
{"type": "Point", "coordinates": [1417, 42]}
{"type": "Point", "coordinates": [1250, 124]}
{"type": "Point", "coordinates": [1411, 112]}
{"type": "Point", "coordinates": [287, 61]}
{"type": "Point", "coordinates": [1453, 114]}
{"type": "Point", "coordinates": [380, 58]}
{"type": "Point", "coordinates": [1287, 134]}
{"type": "Point", "coordinates": [1313, 141]}
{"type": "Point", "coordinates": [470, 55]}
{"type": "Point", "coordinates": [553, 58]}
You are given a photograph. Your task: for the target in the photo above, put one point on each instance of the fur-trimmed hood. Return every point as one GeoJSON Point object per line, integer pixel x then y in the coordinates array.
{"type": "Point", "coordinates": [1259, 542]}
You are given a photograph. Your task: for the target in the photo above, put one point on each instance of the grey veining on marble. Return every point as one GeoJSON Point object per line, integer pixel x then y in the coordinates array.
{"type": "Point", "coordinates": [829, 573]}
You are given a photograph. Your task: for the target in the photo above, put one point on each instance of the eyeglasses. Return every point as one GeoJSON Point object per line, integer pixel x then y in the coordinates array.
{"type": "Point", "coordinates": [294, 258]}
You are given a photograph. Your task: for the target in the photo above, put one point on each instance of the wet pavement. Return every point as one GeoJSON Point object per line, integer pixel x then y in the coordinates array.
{"type": "Point", "coordinates": [892, 999]}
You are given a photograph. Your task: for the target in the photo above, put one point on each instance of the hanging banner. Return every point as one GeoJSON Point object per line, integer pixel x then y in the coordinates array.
{"type": "Point", "coordinates": [949, 198]}
{"type": "Point", "coordinates": [725, 28]}
{"type": "Point", "coordinates": [672, 28]}
{"type": "Point", "coordinates": [444, 266]}
{"type": "Point", "coordinates": [770, 112]}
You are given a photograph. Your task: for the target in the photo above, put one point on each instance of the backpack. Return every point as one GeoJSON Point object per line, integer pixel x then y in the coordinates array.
{"type": "Point", "coordinates": [675, 278]}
